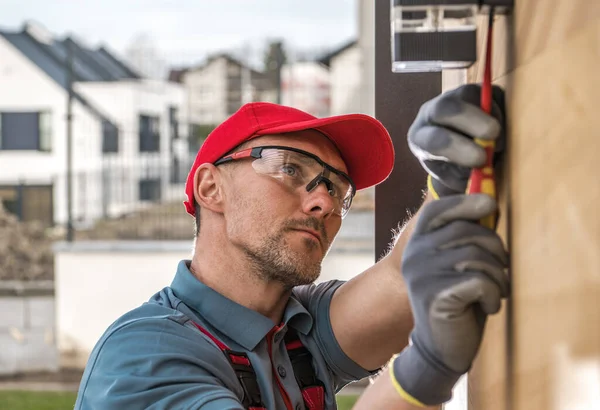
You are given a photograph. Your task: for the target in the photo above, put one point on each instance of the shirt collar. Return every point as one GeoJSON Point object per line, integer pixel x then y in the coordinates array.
{"type": "Point", "coordinates": [242, 325]}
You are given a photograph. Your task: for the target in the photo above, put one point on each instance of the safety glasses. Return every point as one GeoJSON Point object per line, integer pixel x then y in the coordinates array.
{"type": "Point", "coordinates": [295, 168]}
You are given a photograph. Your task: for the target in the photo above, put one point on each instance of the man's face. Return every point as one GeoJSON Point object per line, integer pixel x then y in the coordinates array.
{"type": "Point", "coordinates": [285, 233]}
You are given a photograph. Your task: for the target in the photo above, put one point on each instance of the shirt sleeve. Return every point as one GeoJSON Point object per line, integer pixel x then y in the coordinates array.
{"type": "Point", "coordinates": [317, 300]}
{"type": "Point", "coordinates": [157, 363]}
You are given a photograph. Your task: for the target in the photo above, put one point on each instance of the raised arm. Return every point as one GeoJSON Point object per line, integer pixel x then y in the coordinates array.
{"type": "Point", "coordinates": [371, 314]}
{"type": "Point", "coordinates": [383, 395]}
{"type": "Point", "coordinates": [373, 309]}
{"type": "Point", "coordinates": [455, 274]}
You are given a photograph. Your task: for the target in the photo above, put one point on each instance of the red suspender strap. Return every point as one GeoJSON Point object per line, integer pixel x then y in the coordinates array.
{"type": "Point", "coordinates": [244, 371]}
{"type": "Point", "coordinates": [313, 390]}
{"type": "Point", "coordinates": [221, 345]}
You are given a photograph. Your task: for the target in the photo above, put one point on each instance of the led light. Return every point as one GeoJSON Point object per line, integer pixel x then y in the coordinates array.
{"type": "Point", "coordinates": [433, 35]}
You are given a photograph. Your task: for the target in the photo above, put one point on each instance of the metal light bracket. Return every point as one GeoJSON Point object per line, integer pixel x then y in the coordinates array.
{"type": "Point", "coordinates": [435, 35]}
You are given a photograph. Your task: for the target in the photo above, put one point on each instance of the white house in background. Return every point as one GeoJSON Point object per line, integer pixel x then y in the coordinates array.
{"type": "Point", "coordinates": [366, 44]}
{"type": "Point", "coordinates": [306, 86]}
{"type": "Point", "coordinates": [351, 68]}
{"type": "Point", "coordinates": [153, 158]}
{"type": "Point", "coordinates": [345, 71]}
{"type": "Point", "coordinates": [127, 132]}
{"type": "Point", "coordinates": [219, 87]}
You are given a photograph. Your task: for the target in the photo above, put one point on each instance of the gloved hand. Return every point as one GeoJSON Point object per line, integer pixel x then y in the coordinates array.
{"type": "Point", "coordinates": [454, 271]}
{"type": "Point", "coordinates": [441, 136]}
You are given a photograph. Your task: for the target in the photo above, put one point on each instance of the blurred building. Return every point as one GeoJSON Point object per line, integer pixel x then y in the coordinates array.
{"type": "Point", "coordinates": [352, 67]}
{"type": "Point", "coordinates": [344, 65]}
{"type": "Point", "coordinates": [128, 133]}
{"type": "Point", "coordinates": [217, 89]}
{"type": "Point", "coordinates": [306, 86]}
{"type": "Point", "coordinates": [366, 45]}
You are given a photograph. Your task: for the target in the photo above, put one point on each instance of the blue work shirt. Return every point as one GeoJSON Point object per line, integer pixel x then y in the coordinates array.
{"type": "Point", "coordinates": [154, 357]}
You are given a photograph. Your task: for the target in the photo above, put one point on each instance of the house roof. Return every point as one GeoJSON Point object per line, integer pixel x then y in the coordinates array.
{"type": "Point", "coordinates": [51, 55]}
{"type": "Point", "coordinates": [176, 75]}
{"type": "Point", "coordinates": [259, 79]}
{"type": "Point", "coordinates": [210, 59]}
{"type": "Point", "coordinates": [326, 59]}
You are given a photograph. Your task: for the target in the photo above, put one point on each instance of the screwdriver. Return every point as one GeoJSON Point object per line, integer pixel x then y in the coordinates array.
{"type": "Point", "coordinates": [482, 180]}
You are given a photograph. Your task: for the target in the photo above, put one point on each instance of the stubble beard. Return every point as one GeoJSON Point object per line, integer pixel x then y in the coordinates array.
{"type": "Point", "coordinates": [274, 260]}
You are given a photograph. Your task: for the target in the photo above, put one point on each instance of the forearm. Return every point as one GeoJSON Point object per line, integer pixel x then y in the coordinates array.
{"type": "Point", "coordinates": [401, 239]}
{"type": "Point", "coordinates": [383, 395]}
{"type": "Point", "coordinates": [373, 309]}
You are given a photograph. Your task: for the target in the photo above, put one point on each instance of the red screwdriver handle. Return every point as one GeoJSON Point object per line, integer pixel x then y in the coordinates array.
{"type": "Point", "coordinates": [482, 180]}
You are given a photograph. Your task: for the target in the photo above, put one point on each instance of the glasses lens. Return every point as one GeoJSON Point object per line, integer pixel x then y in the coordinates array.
{"type": "Point", "coordinates": [291, 168]}
{"type": "Point", "coordinates": [340, 188]}
{"type": "Point", "coordinates": [295, 169]}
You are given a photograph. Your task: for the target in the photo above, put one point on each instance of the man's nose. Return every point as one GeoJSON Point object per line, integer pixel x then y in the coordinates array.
{"type": "Point", "coordinates": [318, 200]}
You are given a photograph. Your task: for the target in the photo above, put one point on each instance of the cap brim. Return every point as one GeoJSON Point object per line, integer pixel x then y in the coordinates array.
{"type": "Point", "coordinates": [364, 143]}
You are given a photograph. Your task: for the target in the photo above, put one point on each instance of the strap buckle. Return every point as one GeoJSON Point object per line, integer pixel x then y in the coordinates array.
{"type": "Point", "coordinates": [246, 375]}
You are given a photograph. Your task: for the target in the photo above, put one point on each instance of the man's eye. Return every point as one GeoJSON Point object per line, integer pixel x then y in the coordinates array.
{"type": "Point", "coordinates": [289, 170]}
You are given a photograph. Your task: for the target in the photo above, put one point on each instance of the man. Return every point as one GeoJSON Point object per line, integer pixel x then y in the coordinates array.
{"type": "Point", "coordinates": [242, 325]}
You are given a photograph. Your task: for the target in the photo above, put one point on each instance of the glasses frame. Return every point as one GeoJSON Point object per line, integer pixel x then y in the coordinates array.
{"type": "Point", "coordinates": [256, 153]}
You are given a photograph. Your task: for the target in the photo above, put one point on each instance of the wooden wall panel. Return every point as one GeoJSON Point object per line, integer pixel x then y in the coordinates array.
{"type": "Point", "coordinates": [532, 28]}
{"type": "Point", "coordinates": [556, 224]}
{"type": "Point", "coordinates": [543, 352]}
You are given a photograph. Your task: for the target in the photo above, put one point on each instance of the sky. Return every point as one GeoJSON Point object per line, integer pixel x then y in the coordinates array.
{"type": "Point", "coordinates": [185, 31]}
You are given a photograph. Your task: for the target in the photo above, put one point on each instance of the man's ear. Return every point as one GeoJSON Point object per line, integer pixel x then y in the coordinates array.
{"type": "Point", "coordinates": [208, 191]}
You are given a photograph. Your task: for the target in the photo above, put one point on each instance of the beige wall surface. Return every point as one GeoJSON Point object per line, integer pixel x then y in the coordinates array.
{"type": "Point", "coordinates": [97, 282]}
{"type": "Point", "coordinates": [543, 351]}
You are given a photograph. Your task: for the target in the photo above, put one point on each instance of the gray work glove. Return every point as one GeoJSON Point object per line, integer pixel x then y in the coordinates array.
{"type": "Point", "coordinates": [454, 269]}
{"type": "Point", "coordinates": [441, 136]}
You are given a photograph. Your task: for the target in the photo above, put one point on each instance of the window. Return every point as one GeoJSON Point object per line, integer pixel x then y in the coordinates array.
{"type": "Point", "coordinates": [149, 189]}
{"type": "Point", "coordinates": [173, 123]}
{"type": "Point", "coordinates": [233, 69]}
{"type": "Point", "coordinates": [10, 199]}
{"type": "Point", "coordinates": [30, 131]}
{"type": "Point", "coordinates": [175, 171]}
{"type": "Point", "coordinates": [203, 91]}
{"type": "Point", "coordinates": [29, 202]}
{"type": "Point", "coordinates": [45, 128]}
{"type": "Point", "coordinates": [149, 133]}
{"type": "Point", "coordinates": [234, 95]}
{"type": "Point", "coordinates": [110, 137]}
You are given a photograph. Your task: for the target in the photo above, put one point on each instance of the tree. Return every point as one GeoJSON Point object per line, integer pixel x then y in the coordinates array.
{"type": "Point", "coordinates": [144, 56]}
{"type": "Point", "coordinates": [198, 134]}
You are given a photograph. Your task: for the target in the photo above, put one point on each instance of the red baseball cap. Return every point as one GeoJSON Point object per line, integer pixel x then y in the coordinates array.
{"type": "Point", "coordinates": [364, 143]}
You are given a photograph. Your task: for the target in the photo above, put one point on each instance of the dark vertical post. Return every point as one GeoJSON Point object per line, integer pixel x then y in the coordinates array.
{"type": "Point", "coordinates": [69, 181]}
{"type": "Point", "coordinates": [397, 101]}
{"type": "Point", "coordinates": [280, 60]}
{"type": "Point", "coordinates": [20, 201]}
{"type": "Point", "coordinates": [278, 86]}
